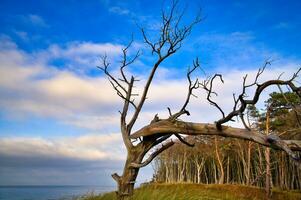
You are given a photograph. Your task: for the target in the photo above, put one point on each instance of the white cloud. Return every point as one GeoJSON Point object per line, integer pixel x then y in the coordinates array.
{"type": "Point", "coordinates": [85, 48]}
{"type": "Point", "coordinates": [82, 56]}
{"type": "Point", "coordinates": [87, 147]}
{"type": "Point", "coordinates": [29, 86]}
{"type": "Point", "coordinates": [94, 122]}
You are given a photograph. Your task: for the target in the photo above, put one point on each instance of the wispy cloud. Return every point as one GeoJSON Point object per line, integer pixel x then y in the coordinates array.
{"type": "Point", "coordinates": [83, 56]}
{"type": "Point", "coordinates": [148, 22]}
{"type": "Point", "coordinates": [118, 10]}
{"type": "Point", "coordinates": [33, 20]}
{"type": "Point", "coordinates": [283, 25]}
{"type": "Point", "coordinates": [36, 20]}
{"type": "Point", "coordinates": [22, 35]}
{"type": "Point", "coordinates": [234, 50]}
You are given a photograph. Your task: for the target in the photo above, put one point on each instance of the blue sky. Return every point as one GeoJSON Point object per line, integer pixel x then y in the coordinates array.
{"type": "Point", "coordinates": [56, 107]}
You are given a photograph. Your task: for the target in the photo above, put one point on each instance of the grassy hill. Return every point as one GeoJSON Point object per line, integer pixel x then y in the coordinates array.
{"type": "Point", "coordinates": [200, 191]}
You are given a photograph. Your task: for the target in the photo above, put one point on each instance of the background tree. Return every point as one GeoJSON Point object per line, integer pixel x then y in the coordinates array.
{"type": "Point", "coordinates": [244, 162]}
{"type": "Point", "coordinates": [155, 137]}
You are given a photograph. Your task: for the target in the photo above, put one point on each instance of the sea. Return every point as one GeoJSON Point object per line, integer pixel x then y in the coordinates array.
{"type": "Point", "coordinates": [50, 192]}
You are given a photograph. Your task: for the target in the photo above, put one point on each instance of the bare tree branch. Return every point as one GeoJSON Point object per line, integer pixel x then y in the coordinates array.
{"type": "Point", "coordinates": [153, 155]}
{"type": "Point", "coordinates": [207, 85]}
{"type": "Point", "coordinates": [125, 62]}
{"type": "Point", "coordinates": [183, 140]}
{"type": "Point", "coordinates": [171, 36]}
{"type": "Point", "coordinates": [192, 86]}
{"type": "Point", "coordinates": [110, 76]}
{"type": "Point", "coordinates": [123, 92]}
{"type": "Point", "coordinates": [240, 104]}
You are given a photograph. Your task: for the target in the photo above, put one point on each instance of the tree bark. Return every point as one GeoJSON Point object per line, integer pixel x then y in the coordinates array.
{"type": "Point", "coordinates": [127, 181]}
{"type": "Point", "coordinates": [268, 185]}
{"type": "Point", "coordinates": [166, 126]}
{"type": "Point", "coordinates": [228, 170]}
{"type": "Point", "coordinates": [220, 163]}
{"type": "Point", "coordinates": [249, 163]}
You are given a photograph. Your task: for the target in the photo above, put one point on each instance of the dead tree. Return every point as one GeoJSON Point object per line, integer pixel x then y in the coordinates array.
{"type": "Point", "coordinates": [155, 137]}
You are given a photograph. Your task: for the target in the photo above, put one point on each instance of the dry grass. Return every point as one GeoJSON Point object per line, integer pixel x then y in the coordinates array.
{"type": "Point", "coordinates": [202, 192]}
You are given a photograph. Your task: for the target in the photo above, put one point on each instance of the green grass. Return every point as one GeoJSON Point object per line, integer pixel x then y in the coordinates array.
{"type": "Point", "coordinates": [201, 192]}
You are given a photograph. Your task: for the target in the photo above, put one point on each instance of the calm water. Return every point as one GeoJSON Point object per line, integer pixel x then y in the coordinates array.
{"type": "Point", "coordinates": [49, 192]}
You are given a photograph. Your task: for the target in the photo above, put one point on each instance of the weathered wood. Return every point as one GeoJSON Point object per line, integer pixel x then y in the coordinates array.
{"type": "Point", "coordinates": [190, 128]}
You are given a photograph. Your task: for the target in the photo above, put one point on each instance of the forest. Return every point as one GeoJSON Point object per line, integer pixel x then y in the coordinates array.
{"type": "Point", "coordinates": [218, 160]}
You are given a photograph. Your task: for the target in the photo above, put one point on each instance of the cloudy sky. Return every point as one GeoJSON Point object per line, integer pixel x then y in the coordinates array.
{"type": "Point", "coordinates": [58, 113]}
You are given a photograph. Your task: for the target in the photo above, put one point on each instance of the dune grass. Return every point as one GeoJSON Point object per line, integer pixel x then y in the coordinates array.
{"type": "Point", "coordinates": [201, 192]}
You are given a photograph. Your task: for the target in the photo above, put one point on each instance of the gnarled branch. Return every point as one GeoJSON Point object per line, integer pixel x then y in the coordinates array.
{"type": "Point", "coordinates": [170, 38]}
{"type": "Point", "coordinates": [240, 103]}
{"type": "Point", "coordinates": [153, 155]}
{"type": "Point", "coordinates": [188, 128]}
{"type": "Point", "coordinates": [192, 86]}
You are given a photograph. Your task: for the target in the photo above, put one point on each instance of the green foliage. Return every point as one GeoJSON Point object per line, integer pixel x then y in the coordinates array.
{"type": "Point", "coordinates": [284, 109]}
{"type": "Point", "coordinates": [253, 112]}
{"type": "Point", "coordinates": [201, 192]}
{"type": "Point", "coordinates": [285, 100]}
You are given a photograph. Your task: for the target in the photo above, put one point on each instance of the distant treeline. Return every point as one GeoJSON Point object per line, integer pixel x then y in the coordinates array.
{"type": "Point", "coordinates": [225, 160]}
{"type": "Point", "coordinates": [219, 160]}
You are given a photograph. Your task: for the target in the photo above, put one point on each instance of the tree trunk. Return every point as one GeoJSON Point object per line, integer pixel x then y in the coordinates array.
{"type": "Point", "coordinates": [183, 167]}
{"type": "Point", "coordinates": [220, 163]}
{"type": "Point", "coordinates": [268, 185]}
{"type": "Point", "coordinates": [127, 181]}
{"type": "Point", "coordinates": [249, 164]}
{"type": "Point", "coordinates": [228, 170]}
